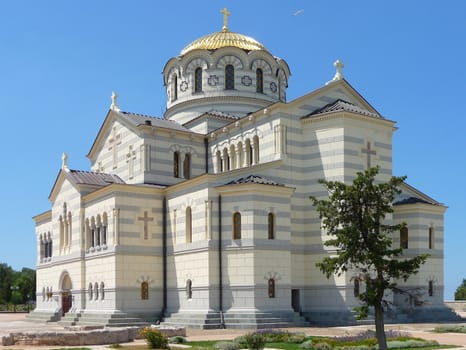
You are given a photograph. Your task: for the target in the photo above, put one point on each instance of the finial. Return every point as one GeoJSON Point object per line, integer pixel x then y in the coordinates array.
{"type": "Point", "coordinates": [225, 19]}
{"type": "Point", "coordinates": [114, 106]}
{"type": "Point", "coordinates": [338, 66]}
{"type": "Point", "coordinates": [64, 161]}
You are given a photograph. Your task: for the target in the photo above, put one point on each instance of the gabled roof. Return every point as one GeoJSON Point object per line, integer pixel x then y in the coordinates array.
{"type": "Point", "coordinates": [83, 178]}
{"type": "Point", "coordinates": [95, 179]}
{"type": "Point", "coordinates": [141, 119]}
{"type": "Point", "coordinates": [254, 179]}
{"type": "Point", "coordinates": [215, 114]}
{"type": "Point", "coordinates": [134, 121]}
{"type": "Point", "coordinates": [411, 195]}
{"type": "Point", "coordinates": [342, 105]}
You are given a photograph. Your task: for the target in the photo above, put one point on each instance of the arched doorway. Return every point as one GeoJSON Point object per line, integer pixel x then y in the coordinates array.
{"type": "Point", "coordinates": [66, 298]}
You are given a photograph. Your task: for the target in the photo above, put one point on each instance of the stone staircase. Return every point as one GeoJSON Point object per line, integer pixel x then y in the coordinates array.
{"type": "Point", "coordinates": [70, 319]}
{"type": "Point", "coordinates": [111, 320]}
{"type": "Point", "coordinates": [239, 320]}
{"type": "Point", "coordinates": [43, 316]}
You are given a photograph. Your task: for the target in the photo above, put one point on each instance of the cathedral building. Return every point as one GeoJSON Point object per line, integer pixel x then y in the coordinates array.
{"type": "Point", "coordinates": [202, 217]}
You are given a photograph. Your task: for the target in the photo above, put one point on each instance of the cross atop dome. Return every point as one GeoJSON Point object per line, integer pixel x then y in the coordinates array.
{"type": "Point", "coordinates": [225, 19]}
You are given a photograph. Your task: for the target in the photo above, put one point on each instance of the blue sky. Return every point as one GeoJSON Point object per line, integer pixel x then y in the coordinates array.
{"type": "Point", "coordinates": [60, 61]}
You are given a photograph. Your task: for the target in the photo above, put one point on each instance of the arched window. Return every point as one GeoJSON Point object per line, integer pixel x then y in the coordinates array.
{"type": "Point", "coordinates": [90, 294]}
{"type": "Point", "coordinates": [41, 248]}
{"type": "Point", "coordinates": [93, 240]}
{"type": "Point", "coordinates": [99, 231]}
{"type": "Point", "coordinates": [96, 290]}
{"type": "Point", "coordinates": [229, 77]}
{"type": "Point", "coordinates": [104, 229]}
{"type": "Point", "coordinates": [431, 237]}
{"type": "Point", "coordinates": [271, 225]}
{"type": "Point", "coordinates": [189, 289]}
{"type": "Point", "coordinates": [431, 288]}
{"type": "Point", "coordinates": [50, 248]}
{"type": "Point", "coordinates": [198, 80]}
{"type": "Point", "coordinates": [145, 290]}
{"type": "Point", "coordinates": [187, 166]}
{"type": "Point", "coordinates": [356, 287]}
{"type": "Point", "coordinates": [174, 88]}
{"type": "Point", "coordinates": [271, 288]}
{"type": "Point", "coordinates": [226, 160]}
{"type": "Point", "coordinates": [189, 225]}
{"type": "Point", "coordinates": [176, 164]}
{"type": "Point", "coordinates": [259, 80]}
{"type": "Point", "coordinates": [237, 225]}
{"type": "Point", "coordinates": [404, 237]}
{"type": "Point", "coordinates": [102, 290]}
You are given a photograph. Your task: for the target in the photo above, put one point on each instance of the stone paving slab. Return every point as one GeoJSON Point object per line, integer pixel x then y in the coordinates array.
{"type": "Point", "coordinates": [16, 323]}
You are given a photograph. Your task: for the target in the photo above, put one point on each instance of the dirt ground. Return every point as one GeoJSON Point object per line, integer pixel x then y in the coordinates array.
{"type": "Point", "coordinates": [16, 323]}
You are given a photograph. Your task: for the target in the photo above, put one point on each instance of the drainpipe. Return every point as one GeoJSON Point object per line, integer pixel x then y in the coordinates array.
{"type": "Point", "coordinates": [220, 280]}
{"type": "Point", "coordinates": [164, 255]}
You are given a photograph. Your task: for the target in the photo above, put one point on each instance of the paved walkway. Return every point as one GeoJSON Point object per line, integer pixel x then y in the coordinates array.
{"type": "Point", "coordinates": [16, 323]}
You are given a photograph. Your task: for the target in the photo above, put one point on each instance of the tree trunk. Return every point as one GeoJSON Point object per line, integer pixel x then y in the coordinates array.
{"type": "Point", "coordinates": [380, 327]}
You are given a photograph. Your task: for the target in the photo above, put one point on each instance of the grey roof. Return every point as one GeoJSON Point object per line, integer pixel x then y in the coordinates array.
{"type": "Point", "coordinates": [254, 179]}
{"type": "Point", "coordinates": [411, 200]}
{"type": "Point", "coordinates": [142, 119]}
{"type": "Point", "coordinates": [342, 105]}
{"type": "Point", "coordinates": [215, 114]}
{"type": "Point", "coordinates": [96, 179]}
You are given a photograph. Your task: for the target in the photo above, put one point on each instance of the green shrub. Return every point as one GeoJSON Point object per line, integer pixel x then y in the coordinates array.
{"type": "Point", "coordinates": [307, 345]}
{"type": "Point", "coordinates": [154, 338]}
{"type": "Point", "coordinates": [255, 341]}
{"type": "Point", "coordinates": [322, 346]}
{"type": "Point", "coordinates": [296, 338]}
{"type": "Point", "coordinates": [177, 339]}
{"type": "Point", "coordinates": [227, 345]}
{"type": "Point", "coordinates": [450, 329]}
{"type": "Point", "coordinates": [410, 343]}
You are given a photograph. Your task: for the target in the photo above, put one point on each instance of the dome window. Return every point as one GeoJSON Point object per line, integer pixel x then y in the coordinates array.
{"type": "Point", "coordinates": [259, 80]}
{"type": "Point", "coordinates": [198, 80]}
{"type": "Point", "coordinates": [229, 77]}
{"type": "Point", "coordinates": [174, 87]}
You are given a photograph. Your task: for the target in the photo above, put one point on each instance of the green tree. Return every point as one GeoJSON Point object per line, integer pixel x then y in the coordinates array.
{"type": "Point", "coordinates": [354, 216]}
{"type": "Point", "coordinates": [460, 293]}
{"type": "Point", "coordinates": [7, 275]}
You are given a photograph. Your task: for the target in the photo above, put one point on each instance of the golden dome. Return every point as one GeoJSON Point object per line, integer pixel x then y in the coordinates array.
{"type": "Point", "coordinates": [224, 39]}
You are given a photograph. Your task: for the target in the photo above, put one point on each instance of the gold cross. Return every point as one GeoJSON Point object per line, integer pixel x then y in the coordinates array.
{"type": "Point", "coordinates": [225, 19]}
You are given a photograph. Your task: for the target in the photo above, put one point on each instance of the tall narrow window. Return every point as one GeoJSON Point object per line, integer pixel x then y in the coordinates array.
{"type": "Point", "coordinates": [189, 225]}
{"type": "Point", "coordinates": [50, 245]}
{"type": "Point", "coordinates": [96, 291]}
{"type": "Point", "coordinates": [229, 77]}
{"type": "Point", "coordinates": [187, 166]}
{"type": "Point", "coordinates": [145, 290]}
{"type": "Point", "coordinates": [102, 290]}
{"type": "Point", "coordinates": [259, 80]}
{"type": "Point", "coordinates": [248, 152]}
{"type": "Point", "coordinates": [176, 164]}
{"type": "Point", "coordinates": [189, 289]}
{"type": "Point", "coordinates": [174, 88]}
{"type": "Point", "coordinates": [356, 287]}
{"type": "Point", "coordinates": [198, 80]}
{"type": "Point", "coordinates": [431, 288]}
{"type": "Point", "coordinates": [237, 225]}
{"type": "Point", "coordinates": [271, 288]}
{"type": "Point", "coordinates": [431, 237]}
{"type": "Point", "coordinates": [255, 141]}
{"type": "Point", "coordinates": [90, 294]}
{"type": "Point", "coordinates": [104, 229]}
{"type": "Point", "coordinates": [271, 225]}
{"type": "Point", "coordinates": [404, 237]}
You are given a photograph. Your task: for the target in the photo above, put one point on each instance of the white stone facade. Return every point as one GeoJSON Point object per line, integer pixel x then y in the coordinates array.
{"type": "Point", "coordinates": [206, 212]}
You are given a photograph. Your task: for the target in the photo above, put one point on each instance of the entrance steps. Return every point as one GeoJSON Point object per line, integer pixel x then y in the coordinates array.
{"type": "Point", "coordinates": [70, 319]}
{"type": "Point", "coordinates": [43, 316]}
{"type": "Point", "coordinates": [111, 320]}
{"type": "Point", "coordinates": [239, 320]}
